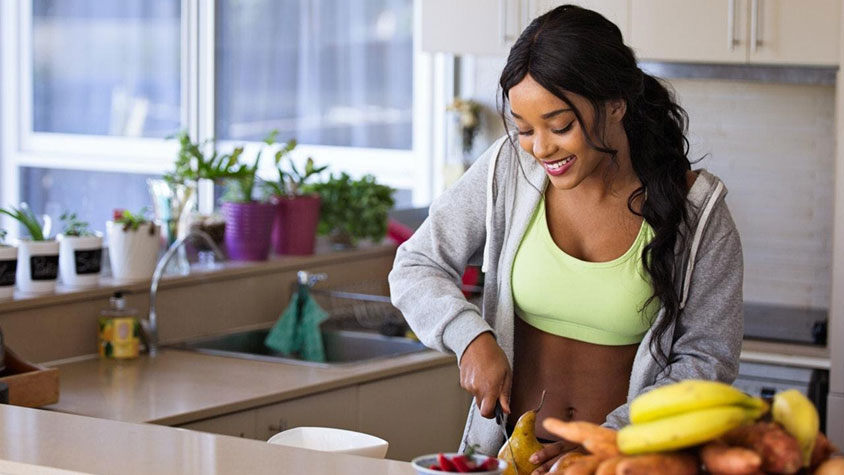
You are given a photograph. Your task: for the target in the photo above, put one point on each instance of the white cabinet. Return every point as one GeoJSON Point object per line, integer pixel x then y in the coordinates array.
{"type": "Point", "coordinates": [418, 413]}
{"type": "Point", "coordinates": [336, 409]}
{"type": "Point", "coordinates": [737, 31]}
{"type": "Point", "coordinates": [481, 27]}
{"type": "Point", "coordinates": [616, 11]}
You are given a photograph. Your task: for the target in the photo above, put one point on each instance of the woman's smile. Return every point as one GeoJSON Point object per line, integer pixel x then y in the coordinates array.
{"type": "Point", "coordinates": [558, 167]}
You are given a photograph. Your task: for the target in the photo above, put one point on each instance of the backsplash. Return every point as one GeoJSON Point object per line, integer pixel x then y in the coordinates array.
{"type": "Point", "coordinates": [774, 147]}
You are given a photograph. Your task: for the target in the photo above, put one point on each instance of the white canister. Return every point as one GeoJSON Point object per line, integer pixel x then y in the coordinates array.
{"type": "Point", "coordinates": [8, 268]}
{"type": "Point", "coordinates": [133, 253]}
{"type": "Point", "coordinates": [80, 260]}
{"type": "Point", "coordinates": [38, 266]}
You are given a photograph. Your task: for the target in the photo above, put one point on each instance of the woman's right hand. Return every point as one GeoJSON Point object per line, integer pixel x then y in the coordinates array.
{"type": "Point", "coordinates": [485, 373]}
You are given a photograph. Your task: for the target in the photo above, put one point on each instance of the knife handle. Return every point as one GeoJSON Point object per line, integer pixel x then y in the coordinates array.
{"type": "Point", "coordinates": [499, 413]}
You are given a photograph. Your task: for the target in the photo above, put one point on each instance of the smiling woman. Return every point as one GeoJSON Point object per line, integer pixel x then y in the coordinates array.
{"type": "Point", "coordinates": [610, 266]}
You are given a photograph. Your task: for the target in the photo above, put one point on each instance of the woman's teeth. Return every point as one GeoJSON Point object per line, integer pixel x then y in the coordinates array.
{"type": "Point", "coordinates": [558, 165]}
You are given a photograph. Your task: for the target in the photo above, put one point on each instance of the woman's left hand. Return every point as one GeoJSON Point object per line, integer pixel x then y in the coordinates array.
{"type": "Point", "coordinates": [548, 456]}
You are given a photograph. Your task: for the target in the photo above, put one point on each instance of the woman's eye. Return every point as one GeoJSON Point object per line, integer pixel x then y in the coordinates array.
{"type": "Point", "coordinates": [564, 129]}
{"type": "Point", "coordinates": [525, 133]}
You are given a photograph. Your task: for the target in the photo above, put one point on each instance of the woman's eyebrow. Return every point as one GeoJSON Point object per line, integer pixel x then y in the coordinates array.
{"type": "Point", "coordinates": [547, 115]}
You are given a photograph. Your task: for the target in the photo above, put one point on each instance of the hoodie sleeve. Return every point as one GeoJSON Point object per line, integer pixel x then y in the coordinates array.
{"type": "Point", "coordinates": [425, 279]}
{"type": "Point", "coordinates": [708, 333]}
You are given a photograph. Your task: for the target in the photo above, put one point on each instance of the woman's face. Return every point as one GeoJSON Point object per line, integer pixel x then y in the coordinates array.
{"type": "Point", "coordinates": [549, 130]}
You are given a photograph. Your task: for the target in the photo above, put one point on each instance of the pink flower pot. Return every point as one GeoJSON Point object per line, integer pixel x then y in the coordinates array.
{"type": "Point", "coordinates": [295, 226]}
{"type": "Point", "coordinates": [248, 228]}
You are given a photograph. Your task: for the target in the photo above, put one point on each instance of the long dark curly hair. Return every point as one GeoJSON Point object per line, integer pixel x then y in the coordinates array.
{"type": "Point", "coordinates": [572, 49]}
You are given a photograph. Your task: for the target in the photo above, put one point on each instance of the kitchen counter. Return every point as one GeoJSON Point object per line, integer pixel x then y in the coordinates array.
{"type": "Point", "coordinates": [31, 438]}
{"type": "Point", "coordinates": [176, 387]}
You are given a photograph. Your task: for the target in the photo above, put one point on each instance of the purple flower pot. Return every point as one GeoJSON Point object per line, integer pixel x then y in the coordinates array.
{"type": "Point", "coordinates": [248, 227]}
{"type": "Point", "coordinates": [295, 226]}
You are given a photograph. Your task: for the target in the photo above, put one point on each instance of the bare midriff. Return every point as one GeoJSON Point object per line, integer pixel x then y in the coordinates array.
{"type": "Point", "coordinates": [583, 381]}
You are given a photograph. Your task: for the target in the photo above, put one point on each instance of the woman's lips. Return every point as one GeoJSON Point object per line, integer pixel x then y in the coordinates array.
{"type": "Point", "coordinates": [558, 167]}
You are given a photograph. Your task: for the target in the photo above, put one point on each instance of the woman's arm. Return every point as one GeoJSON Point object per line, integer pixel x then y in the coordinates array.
{"type": "Point", "coordinates": [708, 333]}
{"type": "Point", "coordinates": [425, 280]}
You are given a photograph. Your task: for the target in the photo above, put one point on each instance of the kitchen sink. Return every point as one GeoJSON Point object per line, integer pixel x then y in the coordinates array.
{"type": "Point", "coordinates": [342, 347]}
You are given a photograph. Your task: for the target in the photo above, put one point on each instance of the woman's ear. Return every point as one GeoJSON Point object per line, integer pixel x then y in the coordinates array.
{"type": "Point", "coordinates": [616, 109]}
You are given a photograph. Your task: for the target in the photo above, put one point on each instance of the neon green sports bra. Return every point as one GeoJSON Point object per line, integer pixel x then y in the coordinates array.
{"type": "Point", "coordinates": [595, 302]}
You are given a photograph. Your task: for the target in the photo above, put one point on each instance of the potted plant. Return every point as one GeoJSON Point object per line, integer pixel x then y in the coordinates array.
{"type": "Point", "coordinates": [297, 212]}
{"type": "Point", "coordinates": [353, 209]}
{"type": "Point", "coordinates": [133, 243]}
{"type": "Point", "coordinates": [8, 266]}
{"type": "Point", "coordinates": [38, 256]}
{"type": "Point", "coordinates": [249, 222]}
{"type": "Point", "coordinates": [80, 253]}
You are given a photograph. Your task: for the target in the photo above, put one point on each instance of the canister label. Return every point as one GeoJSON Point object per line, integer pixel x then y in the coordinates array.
{"type": "Point", "coordinates": [119, 337]}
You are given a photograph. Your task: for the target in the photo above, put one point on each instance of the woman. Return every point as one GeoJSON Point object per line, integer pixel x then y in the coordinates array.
{"type": "Point", "coordinates": [611, 267]}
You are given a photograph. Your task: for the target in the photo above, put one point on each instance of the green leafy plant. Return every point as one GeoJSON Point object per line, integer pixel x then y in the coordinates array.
{"type": "Point", "coordinates": [73, 226]}
{"type": "Point", "coordinates": [353, 209]}
{"type": "Point", "coordinates": [27, 218]}
{"type": "Point", "coordinates": [192, 164]}
{"type": "Point", "coordinates": [292, 182]}
{"type": "Point", "coordinates": [241, 183]}
{"type": "Point", "coordinates": [133, 221]}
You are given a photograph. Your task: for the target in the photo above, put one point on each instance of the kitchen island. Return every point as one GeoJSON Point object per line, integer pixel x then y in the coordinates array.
{"type": "Point", "coordinates": [31, 439]}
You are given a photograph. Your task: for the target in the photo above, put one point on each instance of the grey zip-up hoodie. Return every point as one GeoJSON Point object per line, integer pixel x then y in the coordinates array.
{"type": "Point", "coordinates": [481, 220]}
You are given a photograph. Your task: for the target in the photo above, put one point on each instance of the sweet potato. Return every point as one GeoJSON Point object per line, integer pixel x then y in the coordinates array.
{"type": "Point", "coordinates": [720, 458]}
{"type": "Point", "coordinates": [608, 466]}
{"type": "Point", "coordinates": [566, 461]}
{"type": "Point", "coordinates": [673, 463]}
{"type": "Point", "coordinates": [585, 465]}
{"type": "Point", "coordinates": [823, 450]}
{"type": "Point", "coordinates": [833, 466]}
{"type": "Point", "coordinates": [779, 451]}
{"type": "Point", "coordinates": [579, 431]}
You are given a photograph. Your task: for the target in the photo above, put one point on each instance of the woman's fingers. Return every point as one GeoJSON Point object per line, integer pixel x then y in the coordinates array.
{"type": "Point", "coordinates": [504, 398]}
{"type": "Point", "coordinates": [546, 457]}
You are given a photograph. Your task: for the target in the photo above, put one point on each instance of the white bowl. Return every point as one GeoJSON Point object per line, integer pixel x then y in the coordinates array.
{"type": "Point", "coordinates": [421, 464]}
{"type": "Point", "coordinates": [327, 439]}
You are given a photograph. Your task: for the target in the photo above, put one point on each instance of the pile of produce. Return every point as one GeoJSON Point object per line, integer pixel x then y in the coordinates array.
{"type": "Point", "coordinates": [693, 427]}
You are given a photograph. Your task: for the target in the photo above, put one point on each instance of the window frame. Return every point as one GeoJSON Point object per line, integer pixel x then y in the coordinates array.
{"type": "Point", "coordinates": [21, 147]}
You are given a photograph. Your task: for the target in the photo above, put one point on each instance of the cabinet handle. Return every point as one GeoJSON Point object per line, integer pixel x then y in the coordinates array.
{"type": "Point", "coordinates": [755, 42]}
{"type": "Point", "coordinates": [502, 26]}
{"type": "Point", "coordinates": [732, 42]}
{"type": "Point", "coordinates": [281, 427]}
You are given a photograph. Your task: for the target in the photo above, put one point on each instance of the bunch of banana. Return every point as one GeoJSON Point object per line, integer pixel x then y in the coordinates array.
{"type": "Point", "coordinates": [685, 414]}
{"type": "Point", "coordinates": [798, 417]}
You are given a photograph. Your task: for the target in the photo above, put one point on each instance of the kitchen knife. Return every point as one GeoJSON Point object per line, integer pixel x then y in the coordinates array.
{"type": "Point", "coordinates": [499, 420]}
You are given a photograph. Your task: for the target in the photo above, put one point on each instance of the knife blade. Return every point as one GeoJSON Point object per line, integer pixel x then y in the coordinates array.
{"type": "Point", "coordinates": [499, 420]}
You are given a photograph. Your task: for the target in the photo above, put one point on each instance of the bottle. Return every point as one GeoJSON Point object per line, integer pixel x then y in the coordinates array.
{"type": "Point", "coordinates": [119, 330]}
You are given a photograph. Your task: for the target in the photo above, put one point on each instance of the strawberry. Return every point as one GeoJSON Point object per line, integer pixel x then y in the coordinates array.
{"type": "Point", "coordinates": [463, 464]}
{"type": "Point", "coordinates": [491, 463]}
{"type": "Point", "coordinates": [446, 465]}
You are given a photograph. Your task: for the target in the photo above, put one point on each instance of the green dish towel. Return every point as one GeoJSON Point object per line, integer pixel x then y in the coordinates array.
{"type": "Point", "coordinates": [299, 334]}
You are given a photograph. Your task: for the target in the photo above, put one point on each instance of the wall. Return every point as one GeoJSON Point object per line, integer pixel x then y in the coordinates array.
{"type": "Point", "coordinates": [774, 147]}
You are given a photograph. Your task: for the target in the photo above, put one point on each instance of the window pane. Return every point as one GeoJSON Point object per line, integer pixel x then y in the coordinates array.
{"type": "Point", "coordinates": [106, 67]}
{"type": "Point", "coordinates": [91, 195]}
{"type": "Point", "coordinates": [328, 72]}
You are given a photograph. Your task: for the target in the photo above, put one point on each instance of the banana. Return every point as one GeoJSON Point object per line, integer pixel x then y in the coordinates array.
{"type": "Point", "coordinates": [683, 430]}
{"type": "Point", "coordinates": [799, 417]}
{"type": "Point", "coordinates": [685, 396]}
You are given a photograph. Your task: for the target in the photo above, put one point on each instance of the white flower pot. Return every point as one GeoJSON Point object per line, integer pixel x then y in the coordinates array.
{"type": "Point", "coordinates": [133, 254]}
{"type": "Point", "coordinates": [38, 266]}
{"type": "Point", "coordinates": [80, 260]}
{"type": "Point", "coordinates": [8, 267]}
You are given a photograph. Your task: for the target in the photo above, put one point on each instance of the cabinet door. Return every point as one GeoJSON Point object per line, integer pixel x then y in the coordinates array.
{"type": "Point", "coordinates": [616, 11]}
{"type": "Point", "coordinates": [417, 413]}
{"type": "Point", "coordinates": [690, 30]}
{"type": "Point", "coordinates": [238, 424]}
{"type": "Point", "coordinates": [482, 27]}
{"type": "Point", "coordinates": [788, 32]}
{"type": "Point", "coordinates": [335, 408]}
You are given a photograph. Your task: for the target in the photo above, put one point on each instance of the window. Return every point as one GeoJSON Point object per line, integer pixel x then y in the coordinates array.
{"type": "Point", "coordinates": [328, 72]}
{"type": "Point", "coordinates": [93, 88]}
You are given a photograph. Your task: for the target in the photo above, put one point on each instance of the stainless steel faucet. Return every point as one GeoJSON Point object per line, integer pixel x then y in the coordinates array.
{"type": "Point", "coordinates": [150, 325]}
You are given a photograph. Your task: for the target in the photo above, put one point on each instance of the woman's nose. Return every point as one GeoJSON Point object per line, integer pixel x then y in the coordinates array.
{"type": "Point", "coordinates": [543, 147]}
